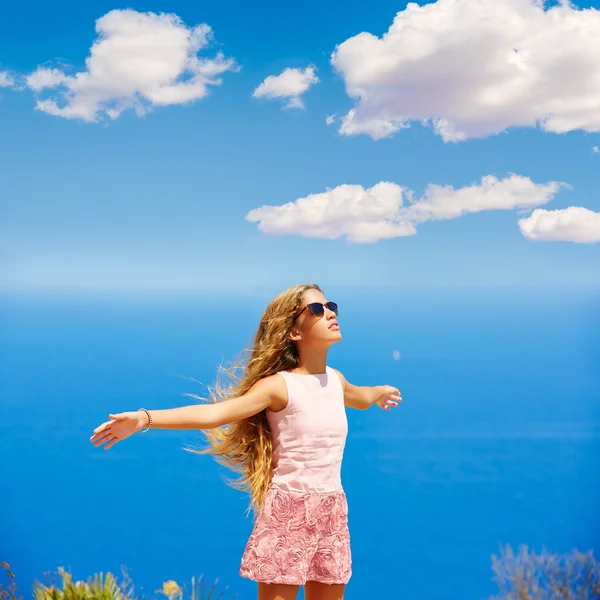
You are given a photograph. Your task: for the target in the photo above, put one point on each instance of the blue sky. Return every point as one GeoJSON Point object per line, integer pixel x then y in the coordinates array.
{"type": "Point", "coordinates": [157, 202]}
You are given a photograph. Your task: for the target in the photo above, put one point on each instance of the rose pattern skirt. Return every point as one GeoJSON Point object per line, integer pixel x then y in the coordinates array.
{"type": "Point", "coordinates": [299, 537]}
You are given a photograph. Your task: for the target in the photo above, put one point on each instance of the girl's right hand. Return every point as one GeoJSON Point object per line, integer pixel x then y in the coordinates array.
{"type": "Point", "coordinates": [120, 426]}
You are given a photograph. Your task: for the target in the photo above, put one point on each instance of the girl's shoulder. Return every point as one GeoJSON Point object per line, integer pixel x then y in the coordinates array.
{"type": "Point", "coordinates": [278, 391]}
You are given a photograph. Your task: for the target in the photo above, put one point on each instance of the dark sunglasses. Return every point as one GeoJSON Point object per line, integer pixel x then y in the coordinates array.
{"type": "Point", "coordinates": [318, 309]}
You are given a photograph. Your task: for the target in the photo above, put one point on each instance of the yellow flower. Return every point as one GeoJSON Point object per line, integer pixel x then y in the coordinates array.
{"type": "Point", "coordinates": [170, 588]}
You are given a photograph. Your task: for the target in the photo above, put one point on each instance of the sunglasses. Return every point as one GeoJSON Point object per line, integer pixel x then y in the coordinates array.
{"type": "Point", "coordinates": [318, 308]}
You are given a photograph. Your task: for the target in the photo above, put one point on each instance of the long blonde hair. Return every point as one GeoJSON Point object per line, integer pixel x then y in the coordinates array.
{"type": "Point", "coordinates": [245, 446]}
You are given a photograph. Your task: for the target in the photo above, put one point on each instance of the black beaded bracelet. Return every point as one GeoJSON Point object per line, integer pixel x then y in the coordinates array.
{"type": "Point", "coordinates": [149, 419]}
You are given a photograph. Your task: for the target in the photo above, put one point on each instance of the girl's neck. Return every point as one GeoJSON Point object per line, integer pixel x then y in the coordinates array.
{"type": "Point", "coordinates": [314, 364]}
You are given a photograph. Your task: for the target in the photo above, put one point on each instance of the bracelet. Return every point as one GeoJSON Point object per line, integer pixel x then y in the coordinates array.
{"type": "Point", "coordinates": [149, 419]}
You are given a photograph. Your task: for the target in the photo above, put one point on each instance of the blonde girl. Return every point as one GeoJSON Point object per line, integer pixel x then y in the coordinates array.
{"type": "Point", "coordinates": [282, 425]}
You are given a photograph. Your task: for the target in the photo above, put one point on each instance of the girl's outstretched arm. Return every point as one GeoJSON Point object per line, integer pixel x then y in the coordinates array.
{"type": "Point", "coordinates": [265, 393]}
{"type": "Point", "coordinates": [363, 397]}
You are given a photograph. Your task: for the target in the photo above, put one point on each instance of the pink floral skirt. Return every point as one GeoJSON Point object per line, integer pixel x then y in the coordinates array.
{"type": "Point", "coordinates": [299, 537]}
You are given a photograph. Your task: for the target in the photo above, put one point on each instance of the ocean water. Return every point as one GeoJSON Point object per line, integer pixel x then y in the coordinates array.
{"type": "Point", "coordinates": [497, 440]}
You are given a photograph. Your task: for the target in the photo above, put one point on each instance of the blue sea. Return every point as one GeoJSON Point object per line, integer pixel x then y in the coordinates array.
{"type": "Point", "coordinates": [497, 440]}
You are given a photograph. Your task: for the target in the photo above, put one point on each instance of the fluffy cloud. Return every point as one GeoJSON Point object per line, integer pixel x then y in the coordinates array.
{"type": "Point", "coordinates": [363, 215]}
{"type": "Point", "coordinates": [595, 149]}
{"type": "Point", "coordinates": [513, 192]}
{"type": "Point", "coordinates": [471, 69]}
{"type": "Point", "coordinates": [138, 61]}
{"type": "Point", "coordinates": [369, 215]}
{"type": "Point", "coordinates": [6, 80]}
{"type": "Point", "coordinates": [573, 224]}
{"type": "Point", "coordinates": [289, 84]}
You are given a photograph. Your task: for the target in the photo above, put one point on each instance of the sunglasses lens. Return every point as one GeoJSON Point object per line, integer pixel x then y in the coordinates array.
{"type": "Point", "coordinates": [316, 309]}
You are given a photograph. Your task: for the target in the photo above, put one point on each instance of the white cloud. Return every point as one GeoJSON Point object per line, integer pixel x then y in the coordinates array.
{"type": "Point", "coordinates": [290, 84]}
{"type": "Point", "coordinates": [377, 128]}
{"type": "Point", "coordinates": [595, 149]}
{"type": "Point", "coordinates": [513, 192]}
{"type": "Point", "coordinates": [46, 78]}
{"type": "Point", "coordinates": [330, 119]}
{"type": "Point", "coordinates": [138, 61]}
{"type": "Point", "coordinates": [573, 224]}
{"type": "Point", "coordinates": [396, 355]}
{"type": "Point", "coordinates": [363, 215]}
{"type": "Point", "coordinates": [369, 215]}
{"type": "Point", "coordinates": [6, 80]}
{"type": "Point", "coordinates": [471, 69]}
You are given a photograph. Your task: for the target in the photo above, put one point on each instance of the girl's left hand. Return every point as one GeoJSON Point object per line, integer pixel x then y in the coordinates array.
{"type": "Point", "coordinates": [387, 396]}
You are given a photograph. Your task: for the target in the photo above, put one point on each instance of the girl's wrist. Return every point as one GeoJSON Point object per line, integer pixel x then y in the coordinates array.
{"type": "Point", "coordinates": [373, 394]}
{"type": "Point", "coordinates": [142, 420]}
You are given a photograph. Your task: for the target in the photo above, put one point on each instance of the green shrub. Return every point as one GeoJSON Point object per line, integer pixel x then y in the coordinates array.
{"type": "Point", "coordinates": [101, 587]}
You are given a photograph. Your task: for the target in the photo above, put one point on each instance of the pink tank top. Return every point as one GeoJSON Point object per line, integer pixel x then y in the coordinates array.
{"type": "Point", "coordinates": [309, 434]}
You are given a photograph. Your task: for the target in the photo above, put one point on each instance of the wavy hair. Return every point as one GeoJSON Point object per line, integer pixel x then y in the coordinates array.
{"type": "Point", "coordinates": [245, 446]}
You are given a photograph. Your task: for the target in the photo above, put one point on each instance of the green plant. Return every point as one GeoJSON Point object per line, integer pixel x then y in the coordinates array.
{"type": "Point", "coordinates": [546, 576]}
{"type": "Point", "coordinates": [100, 587]}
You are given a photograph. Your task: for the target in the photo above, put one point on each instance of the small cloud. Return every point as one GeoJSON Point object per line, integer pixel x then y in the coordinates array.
{"type": "Point", "coordinates": [396, 354]}
{"type": "Point", "coordinates": [6, 80]}
{"type": "Point", "coordinates": [595, 149]}
{"type": "Point", "coordinates": [377, 128]}
{"type": "Point", "coordinates": [290, 84]}
{"type": "Point", "coordinates": [330, 119]}
{"type": "Point", "coordinates": [573, 224]}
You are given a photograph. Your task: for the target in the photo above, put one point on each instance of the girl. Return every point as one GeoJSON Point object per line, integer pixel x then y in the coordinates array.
{"type": "Point", "coordinates": [283, 426]}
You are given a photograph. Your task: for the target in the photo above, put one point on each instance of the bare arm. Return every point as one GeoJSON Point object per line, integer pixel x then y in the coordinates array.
{"type": "Point", "coordinates": [263, 394]}
{"type": "Point", "coordinates": [363, 397]}
{"type": "Point", "coordinates": [268, 392]}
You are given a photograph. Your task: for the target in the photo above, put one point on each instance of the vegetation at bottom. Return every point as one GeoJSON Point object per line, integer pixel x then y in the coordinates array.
{"type": "Point", "coordinates": [524, 575]}
{"type": "Point", "coordinates": [107, 587]}
{"type": "Point", "coordinates": [528, 575]}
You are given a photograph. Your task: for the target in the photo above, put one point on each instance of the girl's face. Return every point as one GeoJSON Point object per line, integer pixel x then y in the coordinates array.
{"type": "Point", "coordinates": [309, 329]}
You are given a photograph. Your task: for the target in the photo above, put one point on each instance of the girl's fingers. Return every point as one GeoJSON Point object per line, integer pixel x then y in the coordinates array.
{"type": "Point", "coordinates": [101, 439]}
{"type": "Point", "coordinates": [103, 426]}
{"type": "Point", "coordinates": [387, 404]}
{"type": "Point", "coordinates": [106, 425]}
{"type": "Point", "coordinates": [112, 442]}
{"type": "Point", "coordinates": [106, 440]}
{"type": "Point", "coordinates": [101, 432]}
